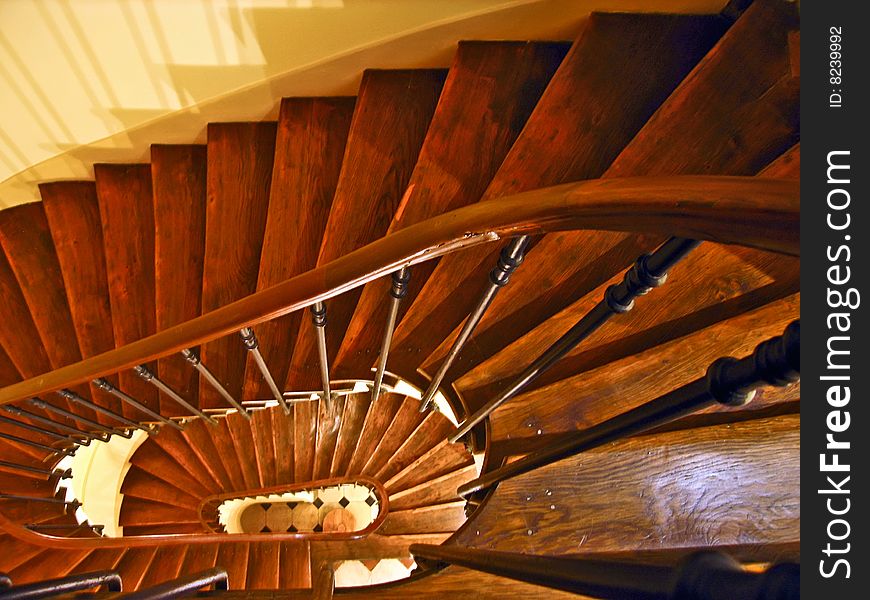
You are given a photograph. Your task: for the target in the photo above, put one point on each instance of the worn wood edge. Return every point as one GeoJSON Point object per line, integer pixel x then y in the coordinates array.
{"type": "Point", "coordinates": [749, 211]}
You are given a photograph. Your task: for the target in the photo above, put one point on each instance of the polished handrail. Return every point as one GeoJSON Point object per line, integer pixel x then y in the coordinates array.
{"type": "Point", "coordinates": [749, 211]}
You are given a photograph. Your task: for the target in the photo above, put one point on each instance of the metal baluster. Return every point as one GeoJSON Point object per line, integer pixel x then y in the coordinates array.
{"type": "Point", "coordinates": [318, 317]}
{"type": "Point", "coordinates": [73, 397]}
{"type": "Point", "coordinates": [143, 372]}
{"type": "Point", "coordinates": [106, 386]}
{"type": "Point", "coordinates": [184, 586]}
{"type": "Point", "coordinates": [43, 447]}
{"type": "Point", "coordinates": [650, 271]}
{"type": "Point", "coordinates": [63, 586]}
{"type": "Point", "coordinates": [66, 474]}
{"type": "Point", "coordinates": [74, 504]}
{"type": "Point", "coordinates": [398, 290]}
{"type": "Point", "coordinates": [70, 415]}
{"type": "Point", "coordinates": [191, 357]}
{"type": "Point", "coordinates": [70, 431]}
{"type": "Point", "coordinates": [510, 258]}
{"type": "Point", "coordinates": [253, 346]}
{"type": "Point", "coordinates": [28, 427]}
{"type": "Point", "coordinates": [728, 381]}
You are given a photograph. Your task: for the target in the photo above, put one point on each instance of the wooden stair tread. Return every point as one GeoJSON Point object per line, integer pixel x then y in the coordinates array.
{"type": "Point", "coordinates": [126, 202]}
{"type": "Point", "coordinates": [145, 486]}
{"type": "Point", "coordinates": [304, 439]}
{"type": "Point", "coordinates": [329, 423]}
{"type": "Point", "coordinates": [436, 491]}
{"type": "Point", "coordinates": [222, 438]}
{"type": "Point", "coordinates": [429, 433]}
{"type": "Point", "coordinates": [562, 142]}
{"type": "Point", "coordinates": [163, 529]}
{"type": "Point", "coordinates": [47, 564]}
{"type": "Point", "coordinates": [165, 566]}
{"type": "Point", "coordinates": [295, 565]}
{"type": "Point", "coordinates": [73, 215]}
{"type": "Point", "coordinates": [245, 453]}
{"type": "Point", "coordinates": [489, 92]}
{"type": "Point", "coordinates": [233, 556]}
{"type": "Point", "coordinates": [283, 430]}
{"type": "Point", "coordinates": [198, 435]}
{"type": "Point", "coordinates": [135, 511]}
{"type": "Point", "coordinates": [240, 157]}
{"type": "Point", "coordinates": [178, 177]}
{"type": "Point", "coordinates": [356, 409]}
{"type": "Point", "coordinates": [437, 518]}
{"type": "Point", "coordinates": [263, 566]}
{"type": "Point", "coordinates": [378, 418]}
{"type": "Point", "coordinates": [392, 113]}
{"type": "Point", "coordinates": [407, 418]}
{"type": "Point", "coordinates": [441, 459]}
{"type": "Point", "coordinates": [176, 444]}
{"type": "Point", "coordinates": [199, 557]}
{"type": "Point", "coordinates": [309, 148]}
{"type": "Point", "coordinates": [155, 460]}
{"type": "Point", "coordinates": [264, 446]}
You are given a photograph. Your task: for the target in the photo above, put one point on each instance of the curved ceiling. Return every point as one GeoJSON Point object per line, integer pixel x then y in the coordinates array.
{"type": "Point", "coordinates": [90, 81]}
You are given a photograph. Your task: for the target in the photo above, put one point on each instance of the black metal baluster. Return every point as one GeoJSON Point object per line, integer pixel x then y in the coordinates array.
{"type": "Point", "coordinates": [38, 403]}
{"type": "Point", "coordinates": [73, 397]}
{"type": "Point", "coordinates": [70, 431]}
{"type": "Point", "coordinates": [74, 504]}
{"type": "Point", "coordinates": [398, 290]}
{"type": "Point", "coordinates": [48, 473]}
{"type": "Point", "coordinates": [106, 386]}
{"type": "Point", "coordinates": [250, 340]}
{"type": "Point", "coordinates": [143, 372]}
{"type": "Point", "coordinates": [65, 585]}
{"type": "Point", "coordinates": [650, 271]}
{"type": "Point", "coordinates": [510, 258]}
{"type": "Point", "coordinates": [191, 357]}
{"type": "Point", "coordinates": [37, 445]}
{"type": "Point", "coordinates": [28, 427]}
{"type": "Point", "coordinates": [183, 586]}
{"type": "Point", "coordinates": [728, 381]}
{"type": "Point", "coordinates": [318, 318]}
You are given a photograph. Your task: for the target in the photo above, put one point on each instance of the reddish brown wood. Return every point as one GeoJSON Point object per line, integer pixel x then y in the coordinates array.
{"type": "Point", "coordinates": [127, 214]}
{"type": "Point", "coordinates": [432, 430]}
{"type": "Point", "coordinates": [654, 492]}
{"type": "Point", "coordinates": [173, 529]}
{"type": "Point", "coordinates": [284, 432]}
{"type": "Point", "coordinates": [430, 519]}
{"type": "Point", "coordinates": [295, 565]}
{"type": "Point", "coordinates": [133, 566]}
{"type": "Point", "coordinates": [438, 490]}
{"type": "Point", "coordinates": [198, 434]}
{"type": "Point", "coordinates": [263, 566]}
{"type": "Point", "coordinates": [304, 439]}
{"type": "Point", "coordinates": [135, 511]}
{"type": "Point", "coordinates": [100, 560]}
{"type": "Point", "coordinates": [329, 421]}
{"type": "Point", "coordinates": [152, 458]}
{"type": "Point", "coordinates": [788, 165]}
{"type": "Point", "coordinates": [490, 91]}
{"type": "Point", "coordinates": [245, 453]}
{"type": "Point", "coordinates": [176, 444]}
{"type": "Point", "coordinates": [392, 115]}
{"type": "Point", "coordinates": [141, 484]}
{"type": "Point", "coordinates": [199, 558]}
{"type": "Point", "coordinates": [374, 546]}
{"type": "Point", "coordinates": [234, 558]}
{"type": "Point", "coordinates": [356, 409]}
{"type": "Point", "coordinates": [10, 560]}
{"type": "Point", "coordinates": [11, 483]}
{"type": "Point", "coordinates": [226, 454]}
{"type": "Point", "coordinates": [73, 216]}
{"type": "Point", "coordinates": [582, 121]}
{"type": "Point", "coordinates": [441, 459]}
{"type": "Point", "coordinates": [308, 153]}
{"type": "Point", "coordinates": [378, 419]}
{"type": "Point", "coordinates": [402, 426]}
{"type": "Point", "coordinates": [178, 175]}
{"type": "Point", "coordinates": [48, 564]}
{"type": "Point", "coordinates": [165, 566]}
{"type": "Point", "coordinates": [240, 159]}
{"type": "Point", "coordinates": [264, 444]}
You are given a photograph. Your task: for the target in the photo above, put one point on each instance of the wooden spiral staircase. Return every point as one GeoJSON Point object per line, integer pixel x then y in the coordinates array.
{"type": "Point", "coordinates": [147, 248]}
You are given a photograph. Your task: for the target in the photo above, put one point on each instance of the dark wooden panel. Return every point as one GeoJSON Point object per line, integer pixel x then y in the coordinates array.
{"type": "Point", "coordinates": [295, 565]}
{"type": "Point", "coordinates": [155, 460]}
{"type": "Point", "coordinates": [430, 519]}
{"type": "Point", "coordinates": [133, 565]}
{"type": "Point", "coordinates": [426, 436]}
{"type": "Point", "coordinates": [284, 431]}
{"type": "Point", "coordinates": [245, 452]}
{"type": "Point", "coordinates": [135, 511]}
{"type": "Point", "coordinates": [263, 566]}
{"type": "Point", "coordinates": [581, 123]}
{"type": "Point", "coordinates": [597, 394]}
{"type": "Point", "coordinates": [12, 483]}
{"type": "Point", "coordinates": [402, 426]}
{"type": "Point", "coordinates": [729, 484]}
{"type": "Point", "coordinates": [379, 417]}
{"type": "Point", "coordinates": [356, 409]}
{"type": "Point", "coordinates": [31, 261]}
{"type": "Point", "coordinates": [178, 176]}
{"type": "Point", "coordinates": [490, 91]}
{"type": "Point", "coordinates": [329, 421]}
{"type": "Point", "coordinates": [304, 439]}
{"type": "Point", "coordinates": [143, 485]}
{"type": "Point", "coordinates": [234, 558]}
{"type": "Point", "coordinates": [439, 490]}
{"type": "Point", "coordinates": [198, 434]}
{"type": "Point", "coordinates": [174, 443]}
{"type": "Point", "coordinates": [165, 566]}
{"type": "Point", "coordinates": [392, 115]}
{"type": "Point", "coordinates": [309, 148]}
{"type": "Point", "coordinates": [127, 214]}
{"type": "Point", "coordinates": [173, 529]}
{"type": "Point", "coordinates": [264, 444]}
{"type": "Point", "coordinates": [788, 165]}
{"type": "Point", "coordinates": [442, 459]}
{"type": "Point", "coordinates": [240, 159]}
{"type": "Point", "coordinates": [74, 220]}
{"type": "Point", "coordinates": [226, 453]}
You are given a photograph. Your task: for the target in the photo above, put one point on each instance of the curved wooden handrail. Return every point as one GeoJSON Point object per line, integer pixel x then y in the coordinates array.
{"type": "Point", "coordinates": [377, 486]}
{"type": "Point", "coordinates": [748, 211]}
